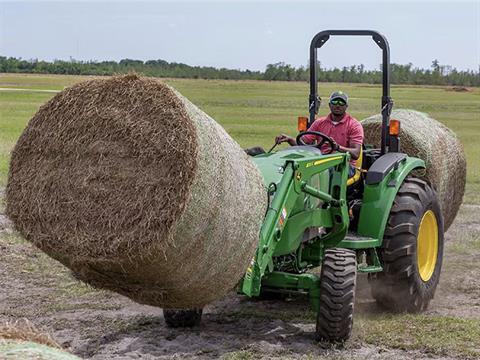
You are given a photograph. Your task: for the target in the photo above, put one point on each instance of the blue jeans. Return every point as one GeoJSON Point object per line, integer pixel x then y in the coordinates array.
{"type": "Point", "coordinates": [351, 171]}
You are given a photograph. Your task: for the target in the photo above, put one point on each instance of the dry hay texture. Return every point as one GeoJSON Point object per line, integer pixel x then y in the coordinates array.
{"type": "Point", "coordinates": [23, 330]}
{"type": "Point", "coordinates": [21, 340]}
{"type": "Point", "coordinates": [425, 138]}
{"type": "Point", "coordinates": [138, 191]}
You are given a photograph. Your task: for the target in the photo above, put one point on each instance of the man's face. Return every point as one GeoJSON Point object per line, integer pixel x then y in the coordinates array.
{"type": "Point", "coordinates": [338, 106]}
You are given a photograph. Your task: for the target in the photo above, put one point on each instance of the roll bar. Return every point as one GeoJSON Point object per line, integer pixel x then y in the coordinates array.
{"type": "Point", "coordinates": [386, 104]}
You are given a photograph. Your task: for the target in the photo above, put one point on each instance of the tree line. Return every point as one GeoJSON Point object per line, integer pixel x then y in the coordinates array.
{"type": "Point", "coordinates": [400, 74]}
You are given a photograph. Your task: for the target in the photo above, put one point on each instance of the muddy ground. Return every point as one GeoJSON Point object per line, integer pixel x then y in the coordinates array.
{"type": "Point", "coordinates": [102, 325]}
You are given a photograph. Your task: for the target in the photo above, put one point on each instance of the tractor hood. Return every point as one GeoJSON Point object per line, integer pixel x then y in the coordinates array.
{"type": "Point", "coordinates": [271, 164]}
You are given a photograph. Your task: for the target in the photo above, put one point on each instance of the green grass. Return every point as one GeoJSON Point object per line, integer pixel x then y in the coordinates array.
{"type": "Point", "coordinates": [239, 355]}
{"type": "Point", "coordinates": [467, 243]}
{"type": "Point", "coordinates": [438, 335]}
{"type": "Point", "coordinates": [40, 81]}
{"type": "Point", "coordinates": [12, 238]}
{"type": "Point", "coordinates": [253, 112]}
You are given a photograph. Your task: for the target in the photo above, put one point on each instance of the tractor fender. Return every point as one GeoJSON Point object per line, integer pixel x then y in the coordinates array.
{"type": "Point", "coordinates": [380, 189]}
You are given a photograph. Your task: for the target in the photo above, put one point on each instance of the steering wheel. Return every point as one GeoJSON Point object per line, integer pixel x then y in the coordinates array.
{"type": "Point", "coordinates": [325, 139]}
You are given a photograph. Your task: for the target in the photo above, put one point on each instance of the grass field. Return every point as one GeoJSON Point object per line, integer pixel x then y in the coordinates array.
{"type": "Point", "coordinates": [99, 324]}
{"type": "Point", "coordinates": [253, 112]}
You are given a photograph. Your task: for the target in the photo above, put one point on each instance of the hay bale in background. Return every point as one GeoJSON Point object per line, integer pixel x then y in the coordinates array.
{"type": "Point", "coordinates": [425, 138]}
{"type": "Point", "coordinates": [138, 191]}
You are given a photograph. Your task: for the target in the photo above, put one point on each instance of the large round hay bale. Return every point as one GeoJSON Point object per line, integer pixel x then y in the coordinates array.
{"type": "Point", "coordinates": [425, 138]}
{"type": "Point", "coordinates": [137, 190]}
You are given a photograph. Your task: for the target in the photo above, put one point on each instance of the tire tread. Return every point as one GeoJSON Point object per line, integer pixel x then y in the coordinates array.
{"type": "Point", "coordinates": [337, 289]}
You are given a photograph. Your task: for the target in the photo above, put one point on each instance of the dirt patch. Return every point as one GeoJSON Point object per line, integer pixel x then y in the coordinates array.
{"type": "Point", "coordinates": [459, 290]}
{"type": "Point", "coordinates": [98, 324]}
{"type": "Point", "coordinates": [458, 89]}
{"type": "Point", "coordinates": [5, 223]}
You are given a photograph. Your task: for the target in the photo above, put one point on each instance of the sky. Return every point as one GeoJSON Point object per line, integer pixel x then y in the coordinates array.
{"type": "Point", "coordinates": [242, 35]}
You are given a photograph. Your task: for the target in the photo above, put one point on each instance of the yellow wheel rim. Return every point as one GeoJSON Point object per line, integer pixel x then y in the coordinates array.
{"type": "Point", "coordinates": [427, 245]}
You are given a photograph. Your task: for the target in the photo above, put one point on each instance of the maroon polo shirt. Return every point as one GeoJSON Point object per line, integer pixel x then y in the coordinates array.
{"type": "Point", "coordinates": [346, 132]}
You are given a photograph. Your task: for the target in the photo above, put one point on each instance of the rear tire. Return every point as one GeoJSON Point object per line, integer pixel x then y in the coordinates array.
{"type": "Point", "coordinates": [412, 250]}
{"type": "Point", "coordinates": [182, 318]}
{"type": "Point", "coordinates": [337, 295]}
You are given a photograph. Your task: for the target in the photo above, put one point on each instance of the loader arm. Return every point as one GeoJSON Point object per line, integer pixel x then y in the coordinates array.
{"type": "Point", "coordinates": [294, 183]}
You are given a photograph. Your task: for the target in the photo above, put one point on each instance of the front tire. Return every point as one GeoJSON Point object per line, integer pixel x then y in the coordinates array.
{"type": "Point", "coordinates": [337, 295]}
{"type": "Point", "coordinates": [182, 318]}
{"type": "Point", "coordinates": [412, 250]}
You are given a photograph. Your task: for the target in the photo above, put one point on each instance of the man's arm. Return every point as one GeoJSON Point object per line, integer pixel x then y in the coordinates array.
{"type": "Point", "coordinates": [354, 151]}
{"type": "Point", "coordinates": [292, 141]}
{"type": "Point", "coordinates": [285, 138]}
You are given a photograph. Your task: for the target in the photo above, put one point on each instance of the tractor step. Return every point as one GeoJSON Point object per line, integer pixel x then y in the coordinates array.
{"type": "Point", "coordinates": [369, 268]}
{"type": "Point", "coordinates": [364, 245]}
{"type": "Point", "coordinates": [356, 241]}
{"type": "Point", "coordinates": [351, 236]}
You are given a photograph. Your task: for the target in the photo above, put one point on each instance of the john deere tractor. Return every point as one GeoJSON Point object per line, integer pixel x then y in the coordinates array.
{"type": "Point", "coordinates": [383, 221]}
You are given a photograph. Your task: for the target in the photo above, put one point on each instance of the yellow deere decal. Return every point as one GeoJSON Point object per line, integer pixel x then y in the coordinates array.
{"type": "Point", "coordinates": [249, 269]}
{"type": "Point", "coordinates": [318, 162]}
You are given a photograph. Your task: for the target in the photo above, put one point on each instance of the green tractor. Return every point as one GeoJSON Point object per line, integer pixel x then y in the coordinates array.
{"type": "Point", "coordinates": [383, 221]}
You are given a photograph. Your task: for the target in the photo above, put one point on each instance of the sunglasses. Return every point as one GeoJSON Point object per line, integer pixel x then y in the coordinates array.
{"type": "Point", "coordinates": [337, 102]}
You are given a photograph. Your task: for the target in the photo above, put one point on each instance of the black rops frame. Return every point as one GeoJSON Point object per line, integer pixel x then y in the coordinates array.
{"type": "Point", "coordinates": [387, 103]}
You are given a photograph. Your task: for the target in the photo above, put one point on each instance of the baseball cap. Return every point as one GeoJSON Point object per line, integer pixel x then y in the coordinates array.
{"type": "Point", "coordinates": [339, 95]}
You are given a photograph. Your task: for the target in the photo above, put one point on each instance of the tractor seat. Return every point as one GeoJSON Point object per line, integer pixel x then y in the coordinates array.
{"type": "Point", "coordinates": [358, 174]}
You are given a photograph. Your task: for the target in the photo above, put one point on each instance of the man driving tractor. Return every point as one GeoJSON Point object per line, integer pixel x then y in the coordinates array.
{"type": "Point", "coordinates": [344, 129]}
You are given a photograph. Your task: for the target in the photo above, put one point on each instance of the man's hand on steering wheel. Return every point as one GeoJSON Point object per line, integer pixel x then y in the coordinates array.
{"type": "Point", "coordinates": [324, 140]}
{"type": "Point", "coordinates": [335, 145]}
